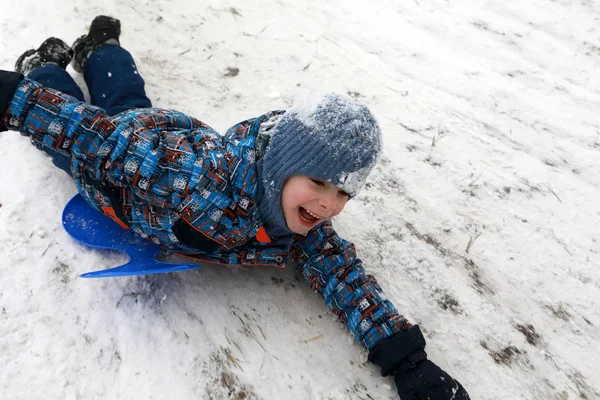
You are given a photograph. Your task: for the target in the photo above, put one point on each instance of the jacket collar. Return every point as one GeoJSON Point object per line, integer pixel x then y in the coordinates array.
{"type": "Point", "coordinates": [242, 142]}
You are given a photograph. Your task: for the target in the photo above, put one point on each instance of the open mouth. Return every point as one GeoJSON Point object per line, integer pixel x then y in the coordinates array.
{"type": "Point", "coordinates": [307, 217]}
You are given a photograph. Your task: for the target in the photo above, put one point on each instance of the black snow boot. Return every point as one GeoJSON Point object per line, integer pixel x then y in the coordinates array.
{"type": "Point", "coordinates": [104, 30]}
{"type": "Point", "coordinates": [53, 51]}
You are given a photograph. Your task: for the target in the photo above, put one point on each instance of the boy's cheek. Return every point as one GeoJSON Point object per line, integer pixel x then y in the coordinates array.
{"type": "Point", "coordinates": [340, 209]}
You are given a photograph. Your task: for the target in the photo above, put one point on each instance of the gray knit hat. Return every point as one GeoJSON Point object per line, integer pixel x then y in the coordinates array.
{"type": "Point", "coordinates": [332, 138]}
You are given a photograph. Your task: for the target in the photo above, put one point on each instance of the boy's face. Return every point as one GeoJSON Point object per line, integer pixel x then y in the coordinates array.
{"type": "Point", "coordinates": [307, 202]}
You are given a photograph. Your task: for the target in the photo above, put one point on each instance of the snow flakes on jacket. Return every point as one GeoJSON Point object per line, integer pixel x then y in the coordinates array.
{"type": "Point", "coordinates": [174, 180]}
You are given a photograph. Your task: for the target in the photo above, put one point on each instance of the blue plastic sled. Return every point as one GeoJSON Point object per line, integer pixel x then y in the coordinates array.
{"type": "Point", "coordinates": [94, 229]}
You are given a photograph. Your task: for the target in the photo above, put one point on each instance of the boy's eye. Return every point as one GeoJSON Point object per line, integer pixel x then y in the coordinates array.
{"type": "Point", "coordinates": [317, 182]}
{"type": "Point", "coordinates": [342, 193]}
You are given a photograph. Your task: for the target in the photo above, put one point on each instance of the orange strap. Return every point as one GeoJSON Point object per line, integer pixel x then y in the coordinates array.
{"type": "Point", "coordinates": [109, 211]}
{"type": "Point", "coordinates": [262, 236]}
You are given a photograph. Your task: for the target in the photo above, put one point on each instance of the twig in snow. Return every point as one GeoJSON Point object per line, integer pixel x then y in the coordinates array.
{"type": "Point", "coordinates": [466, 216]}
{"type": "Point", "coordinates": [262, 364]}
{"type": "Point", "coordinates": [138, 13]}
{"type": "Point", "coordinates": [235, 12]}
{"type": "Point", "coordinates": [231, 357]}
{"type": "Point", "coordinates": [555, 195]}
{"type": "Point", "coordinates": [234, 343]}
{"type": "Point", "coordinates": [255, 34]}
{"type": "Point", "coordinates": [408, 128]}
{"type": "Point", "coordinates": [240, 318]}
{"type": "Point", "coordinates": [47, 247]}
{"type": "Point", "coordinates": [312, 339]}
{"type": "Point", "coordinates": [261, 332]}
{"type": "Point", "coordinates": [437, 137]}
{"type": "Point", "coordinates": [257, 341]}
{"type": "Point", "coordinates": [561, 242]}
{"type": "Point", "coordinates": [532, 187]}
{"type": "Point", "coordinates": [402, 93]}
{"type": "Point", "coordinates": [131, 294]}
{"type": "Point", "coordinates": [472, 241]}
{"type": "Point", "coordinates": [476, 179]}
{"type": "Point", "coordinates": [249, 332]}
{"type": "Point", "coordinates": [184, 52]}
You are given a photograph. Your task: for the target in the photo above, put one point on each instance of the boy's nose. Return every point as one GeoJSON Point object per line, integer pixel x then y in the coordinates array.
{"type": "Point", "coordinates": [329, 201]}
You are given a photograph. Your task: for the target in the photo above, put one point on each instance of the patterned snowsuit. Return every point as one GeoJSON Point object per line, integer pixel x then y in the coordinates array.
{"type": "Point", "coordinates": [174, 180]}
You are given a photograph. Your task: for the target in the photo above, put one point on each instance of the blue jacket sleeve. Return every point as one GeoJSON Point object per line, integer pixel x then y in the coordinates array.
{"type": "Point", "coordinates": [153, 152]}
{"type": "Point", "coordinates": [55, 120]}
{"type": "Point", "coordinates": [330, 265]}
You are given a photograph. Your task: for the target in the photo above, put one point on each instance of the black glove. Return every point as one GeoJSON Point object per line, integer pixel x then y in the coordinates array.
{"type": "Point", "coordinates": [427, 381]}
{"type": "Point", "coordinates": [416, 377]}
{"type": "Point", "coordinates": [8, 84]}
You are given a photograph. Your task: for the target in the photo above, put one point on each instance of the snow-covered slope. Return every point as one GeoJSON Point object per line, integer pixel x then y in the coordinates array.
{"type": "Point", "coordinates": [481, 220]}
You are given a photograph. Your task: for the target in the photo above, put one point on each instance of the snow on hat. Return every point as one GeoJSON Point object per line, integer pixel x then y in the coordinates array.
{"type": "Point", "coordinates": [332, 138]}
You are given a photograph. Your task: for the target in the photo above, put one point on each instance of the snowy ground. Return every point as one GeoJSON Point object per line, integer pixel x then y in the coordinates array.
{"type": "Point", "coordinates": [481, 220]}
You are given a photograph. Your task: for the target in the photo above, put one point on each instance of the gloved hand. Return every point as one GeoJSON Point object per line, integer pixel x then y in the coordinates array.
{"type": "Point", "coordinates": [427, 381]}
{"type": "Point", "coordinates": [416, 377]}
{"type": "Point", "coordinates": [8, 84]}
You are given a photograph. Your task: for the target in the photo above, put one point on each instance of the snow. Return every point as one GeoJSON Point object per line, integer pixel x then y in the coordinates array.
{"type": "Point", "coordinates": [332, 109]}
{"type": "Point", "coordinates": [305, 109]}
{"type": "Point", "coordinates": [352, 182]}
{"type": "Point", "coordinates": [480, 220]}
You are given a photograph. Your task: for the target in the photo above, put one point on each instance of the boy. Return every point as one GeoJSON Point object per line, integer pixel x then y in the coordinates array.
{"type": "Point", "coordinates": [265, 190]}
